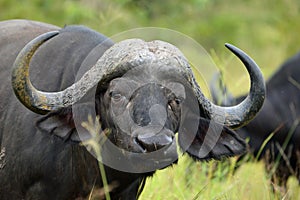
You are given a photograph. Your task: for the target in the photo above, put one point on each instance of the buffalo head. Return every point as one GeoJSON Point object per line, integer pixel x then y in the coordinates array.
{"type": "Point", "coordinates": [145, 93]}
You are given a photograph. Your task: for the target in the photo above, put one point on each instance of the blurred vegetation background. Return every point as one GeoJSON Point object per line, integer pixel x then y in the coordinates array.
{"type": "Point", "coordinates": [267, 30]}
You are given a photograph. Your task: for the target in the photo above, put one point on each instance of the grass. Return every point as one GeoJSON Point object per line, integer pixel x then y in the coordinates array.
{"type": "Point", "coordinates": [217, 180]}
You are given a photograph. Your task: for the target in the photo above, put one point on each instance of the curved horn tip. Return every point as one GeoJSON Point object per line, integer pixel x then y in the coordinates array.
{"type": "Point", "coordinates": [51, 33]}
{"type": "Point", "coordinates": [48, 35]}
{"type": "Point", "coordinates": [233, 48]}
{"type": "Point", "coordinates": [245, 58]}
{"type": "Point", "coordinates": [228, 45]}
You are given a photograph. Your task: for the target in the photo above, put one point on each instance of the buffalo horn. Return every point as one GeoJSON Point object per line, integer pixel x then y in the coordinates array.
{"type": "Point", "coordinates": [122, 57]}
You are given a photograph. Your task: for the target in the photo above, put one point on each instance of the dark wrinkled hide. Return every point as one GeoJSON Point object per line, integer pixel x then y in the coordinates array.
{"type": "Point", "coordinates": [280, 114]}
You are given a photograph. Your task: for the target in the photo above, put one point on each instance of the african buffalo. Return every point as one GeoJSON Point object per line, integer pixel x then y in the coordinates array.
{"type": "Point", "coordinates": [279, 115]}
{"type": "Point", "coordinates": [143, 92]}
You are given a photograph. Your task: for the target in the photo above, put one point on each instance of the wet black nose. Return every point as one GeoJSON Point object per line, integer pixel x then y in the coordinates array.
{"type": "Point", "coordinates": [154, 143]}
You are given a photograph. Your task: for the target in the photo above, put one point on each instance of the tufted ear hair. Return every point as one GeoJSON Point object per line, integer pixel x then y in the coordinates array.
{"type": "Point", "coordinates": [59, 123]}
{"type": "Point", "coordinates": [211, 141]}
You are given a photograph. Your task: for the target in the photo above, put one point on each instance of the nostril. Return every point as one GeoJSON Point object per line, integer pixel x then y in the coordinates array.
{"type": "Point", "coordinates": [154, 143]}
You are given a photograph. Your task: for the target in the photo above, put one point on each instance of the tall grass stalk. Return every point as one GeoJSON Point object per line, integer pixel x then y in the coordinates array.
{"type": "Point", "coordinates": [95, 144]}
{"type": "Point", "coordinates": [264, 144]}
{"type": "Point", "coordinates": [284, 145]}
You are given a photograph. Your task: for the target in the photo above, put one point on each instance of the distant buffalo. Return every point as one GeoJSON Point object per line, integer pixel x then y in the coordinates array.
{"type": "Point", "coordinates": [143, 93]}
{"type": "Point", "coordinates": [280, 116]}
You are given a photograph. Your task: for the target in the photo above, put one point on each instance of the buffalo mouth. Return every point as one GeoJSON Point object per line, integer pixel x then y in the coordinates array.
{"type": "Point", "coordinates": [154, 150]}
{"type": "Point", "coordinates": [155, 156]}
{"type": "Point", "coordinates": [154, 142]}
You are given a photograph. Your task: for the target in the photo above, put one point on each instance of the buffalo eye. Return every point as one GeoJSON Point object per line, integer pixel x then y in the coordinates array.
{"type": "Point", "coordinates": [116, 96]}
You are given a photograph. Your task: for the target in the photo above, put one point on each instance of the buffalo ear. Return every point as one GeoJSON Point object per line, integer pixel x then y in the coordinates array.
{"type": "Point", "coordinates": [59, 123]}
{"type": "Point", "coordinates": [211, 141]}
